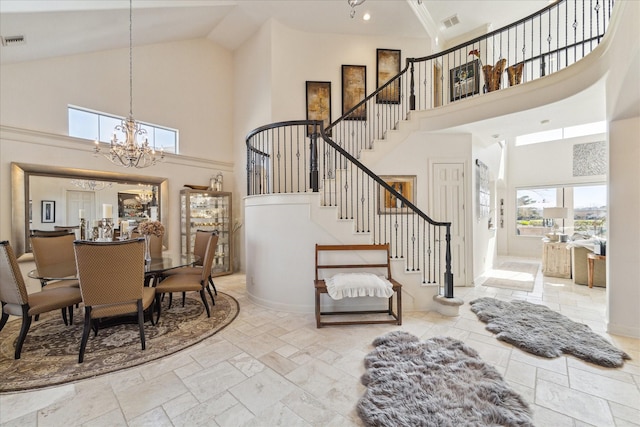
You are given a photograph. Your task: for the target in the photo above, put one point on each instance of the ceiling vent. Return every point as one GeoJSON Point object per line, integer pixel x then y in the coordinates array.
{"type": "Point", "coordinates": [13, 41]}
{"type": "Point", "coordinates": [451, 21]}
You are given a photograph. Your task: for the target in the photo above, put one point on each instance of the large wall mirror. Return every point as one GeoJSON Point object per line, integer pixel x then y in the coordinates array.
{"type": "Point", "coordinates": [46, 197]}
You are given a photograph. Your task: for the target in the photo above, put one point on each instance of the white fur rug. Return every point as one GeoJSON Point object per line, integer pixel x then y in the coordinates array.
{"type": "Point", "coordinates": [437, 382]}
{"type": "Point", "coordinates": [539, 330]}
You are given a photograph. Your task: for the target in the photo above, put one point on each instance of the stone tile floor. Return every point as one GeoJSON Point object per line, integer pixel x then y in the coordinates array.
{"type": "Point", "coordinates": [271, 368]}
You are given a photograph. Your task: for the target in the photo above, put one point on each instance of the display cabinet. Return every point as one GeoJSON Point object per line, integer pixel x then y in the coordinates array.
{"type": "Point", "coordinates": [207, 210]}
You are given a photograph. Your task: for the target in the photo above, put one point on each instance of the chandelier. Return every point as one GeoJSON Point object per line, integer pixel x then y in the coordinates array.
{"type": "Point", "coordinates": [353, 4]}
{"type": "Point", "coordinates": [131, 152]}
{"type": "Point", "coordinates": [91, 184]}
{"type": "Point", "coordinates": [145, 197]}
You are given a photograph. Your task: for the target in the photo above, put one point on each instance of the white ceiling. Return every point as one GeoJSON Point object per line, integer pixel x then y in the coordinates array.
{"type": "Point", "coordinates": [56, 28]}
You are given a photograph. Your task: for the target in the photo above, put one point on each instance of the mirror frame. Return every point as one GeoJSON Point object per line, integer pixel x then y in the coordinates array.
{"type": "Point", "coordinates": [21, 172]}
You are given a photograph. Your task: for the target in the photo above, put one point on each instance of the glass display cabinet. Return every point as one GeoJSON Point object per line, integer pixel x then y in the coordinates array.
{"type": "Point", "coordinates": [207, 210]}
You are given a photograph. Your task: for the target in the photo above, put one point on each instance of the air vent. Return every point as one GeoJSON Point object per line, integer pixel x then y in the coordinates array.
{"type": "Point", "coordinates": [451, 21]}
{"type": "Point", "coordinates": [13, 40]}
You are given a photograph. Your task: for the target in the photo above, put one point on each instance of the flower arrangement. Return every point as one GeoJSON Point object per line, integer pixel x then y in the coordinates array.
{"type": "Point", "coordinates": [151, 227]}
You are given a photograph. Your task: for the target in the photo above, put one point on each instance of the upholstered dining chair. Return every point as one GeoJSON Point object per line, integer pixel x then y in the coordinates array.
{"type": "Point", "coordinates": [111, 278]}
{"type": "Point", "coordinates": [17, 302]}
{"type": "Point", "coordinates": [155, 244]}
{"type": "Point", "coordinates": [54, 258]}
{"type": "Point", "coordinates": [189, 282]}
{"type": "Point", "coordinates": [199, 250]}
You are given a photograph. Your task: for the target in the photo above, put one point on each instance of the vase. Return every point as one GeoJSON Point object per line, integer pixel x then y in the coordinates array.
{"type": "Point", "coordinates": [147, 246]}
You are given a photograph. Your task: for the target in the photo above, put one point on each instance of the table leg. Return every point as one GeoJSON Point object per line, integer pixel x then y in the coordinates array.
{"type": "Point", "coordinates": [590, 262]}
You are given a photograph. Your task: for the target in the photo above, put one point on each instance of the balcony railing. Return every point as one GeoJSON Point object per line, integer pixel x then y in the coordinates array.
{"type": "Point", "coordinates": [301, 156]}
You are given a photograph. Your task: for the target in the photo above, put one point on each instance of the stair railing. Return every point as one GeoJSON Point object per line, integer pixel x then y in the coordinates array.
{"type": "Point", "coordinates": [276, 163]}
{"type": "Point", "coordinates": [277, 160]}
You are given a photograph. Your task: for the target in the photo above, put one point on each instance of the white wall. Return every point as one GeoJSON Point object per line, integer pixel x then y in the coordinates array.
{"type": "Point", "coordinates": [185, 85]}
{"type": "Point", "coordinates": [623, 256]}
{"type": "Point", "coordinates": [524, 166]}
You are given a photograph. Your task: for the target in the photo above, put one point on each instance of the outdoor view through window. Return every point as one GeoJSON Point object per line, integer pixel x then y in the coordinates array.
{"type": "Point", "coordinates": [587, 210]}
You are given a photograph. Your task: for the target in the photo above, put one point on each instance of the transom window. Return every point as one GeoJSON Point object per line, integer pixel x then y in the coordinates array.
{"type": "Point", "coordinates": [92, 125]}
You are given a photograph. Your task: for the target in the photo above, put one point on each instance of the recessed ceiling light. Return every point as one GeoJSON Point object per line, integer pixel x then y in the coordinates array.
{"type": "Point", "coordinates": [366, 16]}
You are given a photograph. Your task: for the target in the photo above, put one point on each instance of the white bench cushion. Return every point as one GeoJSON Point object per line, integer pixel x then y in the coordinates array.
{"type": "Point", "coordinates": [347, 285]}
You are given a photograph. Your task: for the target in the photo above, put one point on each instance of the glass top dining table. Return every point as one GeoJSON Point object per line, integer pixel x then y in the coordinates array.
{"type": "Point", "coordinates": [152, 269]}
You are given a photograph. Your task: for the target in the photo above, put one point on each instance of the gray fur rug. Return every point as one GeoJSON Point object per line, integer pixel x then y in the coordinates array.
{"type": "Point", "coordinates": [539, 330]}
{"type": "Point", "coordinates": [437, 382]}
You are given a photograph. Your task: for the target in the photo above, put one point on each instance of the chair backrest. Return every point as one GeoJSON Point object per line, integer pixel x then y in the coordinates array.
{"type": "Point", "coordinates": [54, 255]}
{"type": "Point", "coordinates": [12, 287]}
{"type": "Point", "coordinates": [110, 272]}
{"type": "Point", "coordinates": [207, 263]}
{"type": "Point", "coordinates": [59, 232]}
{"type": "Point", "coordinates": [155, 244]}
{"type": "Point", "coordinates": [200, 244]}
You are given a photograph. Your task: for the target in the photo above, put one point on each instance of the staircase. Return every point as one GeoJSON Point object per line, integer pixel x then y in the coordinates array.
{"type": "Point", "coordinates": [327, 167]}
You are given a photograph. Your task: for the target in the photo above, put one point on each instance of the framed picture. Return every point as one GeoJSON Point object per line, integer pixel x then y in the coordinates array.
{"type": "Point", "coordinates": [464, 80]}
{"type": "Point", "coordinates": [403, 184]}
{"type": "Point", "coordinates": [48, 213]}
{"type": "Point", "coordinates": [318, 103]}
{"type": "Point", "coordinates": [388, 66]}
{"type": "Point", "coordinates": [354, 89]}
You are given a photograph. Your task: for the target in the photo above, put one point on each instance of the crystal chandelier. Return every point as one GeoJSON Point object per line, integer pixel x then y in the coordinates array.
{"type": "Point", "coordinates": [91, 184]}
{"type": "Point", "coordinates": [130, 152]}
{"type": "Point", "coordinates": [353, 4]}
{"type": "Point", "coordinates": [145, 197]}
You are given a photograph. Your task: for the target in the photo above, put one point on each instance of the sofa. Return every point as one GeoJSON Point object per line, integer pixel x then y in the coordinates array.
{"type": "Point", "coordinates": [579, 267]}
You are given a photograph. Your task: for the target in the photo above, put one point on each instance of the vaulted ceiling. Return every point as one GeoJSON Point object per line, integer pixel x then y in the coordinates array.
{"type": "Point", "coordinates": [57, 28]}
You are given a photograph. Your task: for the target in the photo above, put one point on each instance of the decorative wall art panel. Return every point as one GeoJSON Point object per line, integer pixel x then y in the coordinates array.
{"type": "Point", "coordinates": [590, 159]}
{"type": "Point", "coordinates": [354, 89]}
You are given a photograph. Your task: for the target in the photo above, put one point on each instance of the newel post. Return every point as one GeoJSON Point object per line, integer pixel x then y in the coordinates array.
{"type": "Point", "coordinates": [313, 157]}
{"type": "Point", "coordinates": [448, 275]}
{"type": "Point", "coordinates": [412, 93]}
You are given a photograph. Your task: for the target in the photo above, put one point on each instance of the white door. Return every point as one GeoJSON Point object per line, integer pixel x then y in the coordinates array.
{"type": "Point", "coordinates": [77, 200]}
{"type": "Point", "coordinates": [448, 206]}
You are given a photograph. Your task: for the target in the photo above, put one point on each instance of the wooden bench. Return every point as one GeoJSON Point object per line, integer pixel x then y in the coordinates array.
{"type": "Point", "coordinates": [321, 287]}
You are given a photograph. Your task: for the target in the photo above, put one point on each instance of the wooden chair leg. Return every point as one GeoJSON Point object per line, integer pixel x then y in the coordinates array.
{"type": "Point", "coordinates": [4, 319]}
{"type": "Point", "coordinates": [85, 333]}
{"type": "Point", "coordinates": [184, 296]}
{"type": "Point", "coordinates": [141, 323]}
{"type": "Point", "coordinates": [213, 285]}
{"type": "Point", "coordinates": [213, 302]}
{"type": "Point", "coordinates": [204, 301]}
{"type": "Point", "coordinates": [158, 306]}
{"type": "Point", "coordinates": [24, 328]}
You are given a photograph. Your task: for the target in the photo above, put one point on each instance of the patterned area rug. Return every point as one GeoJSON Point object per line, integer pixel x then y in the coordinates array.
{"type": "Point", "coordinates": [437, 382]}
{"type": "Point", "coordinates": [518, 276]}
{"type": "Point", "coordinates": [539, 330]}
{"type": "Point", "coordinates": [50, 352]}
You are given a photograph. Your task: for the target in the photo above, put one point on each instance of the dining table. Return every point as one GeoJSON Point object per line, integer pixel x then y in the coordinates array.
{"type": "Point", "coordinates": [153, 269]}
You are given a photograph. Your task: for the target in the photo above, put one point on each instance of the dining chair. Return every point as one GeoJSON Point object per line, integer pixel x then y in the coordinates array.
{"type": "Point", "coordinates": [189, 282]}
{"type": "Point", "coordinates": [111, 278]}
{"type": "Point", "coordinates": [155, 244]}
{"type": "Point", "coordinates": [199, 249]}
{"type": "Point", "coordinates": [60, 232]}
{"type": "Point", "coordinates": [55, 260]}
{"type": "Point", "coordinates": [17, 302]}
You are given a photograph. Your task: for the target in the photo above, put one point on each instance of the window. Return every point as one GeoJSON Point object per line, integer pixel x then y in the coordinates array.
{"type": "Point", "coordinates": [562, 133]}
{"type": "Point", "coordinates": [92, 125]}
{"type": "Point", "coordinates": [587, 205]}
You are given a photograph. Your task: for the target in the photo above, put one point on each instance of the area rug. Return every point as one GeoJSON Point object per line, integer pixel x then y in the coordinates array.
{"type": "Point", "coordinates": [539, 330]}
{"type": "Point", "coordinates": [50, 352]}
{"type": "Point", "coordinates": [437, 382]}
{"type": "Point", "coordinates": [519, 276]}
